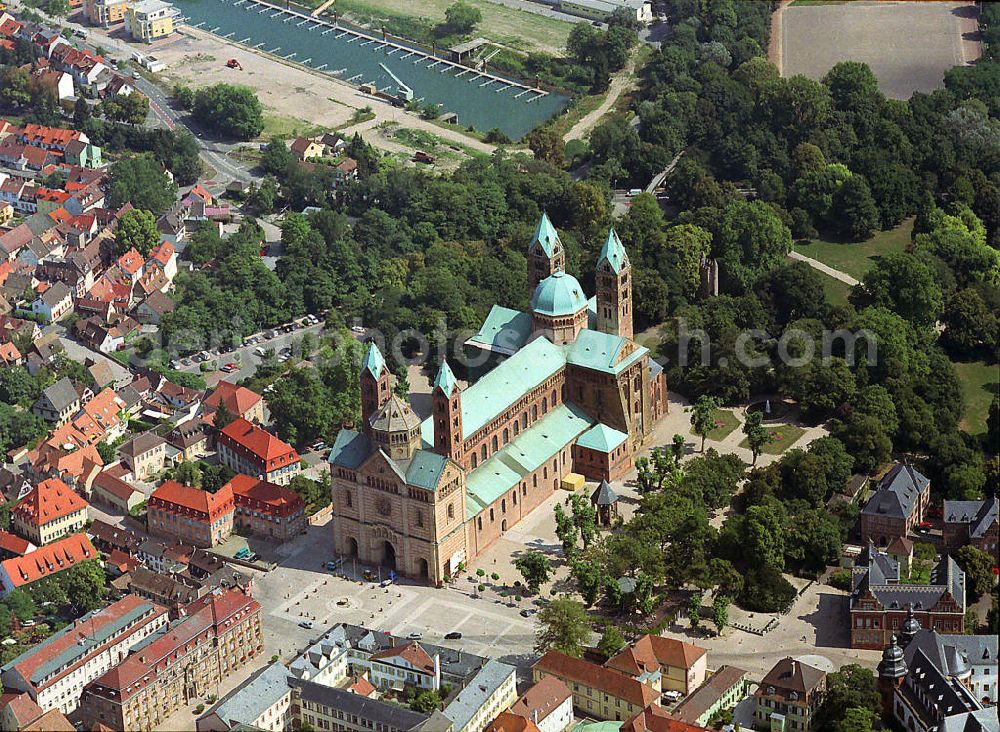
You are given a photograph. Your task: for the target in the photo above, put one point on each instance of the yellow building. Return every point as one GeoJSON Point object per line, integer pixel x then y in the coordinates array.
{"type": "Point", "coordinates": [105, 12]}
{"type": "Point", "coordinates": [6, 212]}
{"type": "Point", "coordinates": [50, 511]}
{"type": "Point", "coordinates": [150, 19]}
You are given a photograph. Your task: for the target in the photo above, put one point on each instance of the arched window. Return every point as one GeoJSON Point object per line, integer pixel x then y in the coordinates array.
{"type": "Point", "coordinates": [482, 452]}
{"type": "Point", "coordinates": [420, 518]}
{"type": "Point", "coordinates": [503, 505]}
{"type": "Point", "coordinates": [554, 397]}
{"type": "Point", "coordinates": [479, 522]}
{"type": "Point", "coordinates": [451, 510]}
{"type": "Point", "coordinates": [517, 428]}
{"type": "Point", "coordinates": [506, 435]}
{"type": "Point", "coordinates": [475, 461]}
{"type": "Point", "coordinates": [348, 499]}
{"type": "Point", "coordinates": [513, 497]}
{"type": "Point", "coordinates": [545, 405]}
{"type": "Point", "coordinates": [494, 443]}
{"type": "Point", "coordinates": [534, 412]}
{"type": "Point", "coordinates": [491, 516]}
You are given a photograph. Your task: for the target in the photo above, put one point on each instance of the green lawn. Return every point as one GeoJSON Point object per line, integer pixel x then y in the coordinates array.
{"type": "Point", "coordinates": [725, 423]}
{"type": "Point", "coordinates": [416, 18]}
{"type": "Point", "coordinates": [783, 437]}
{"type": "Point", "coordinates": [980, 382]}
{"type": "Point", "coordinates": [836, 291]}
{"type": "Point", "coordinates": [857, 258]}
{"type": "Point", "coordinates": [276, 125]}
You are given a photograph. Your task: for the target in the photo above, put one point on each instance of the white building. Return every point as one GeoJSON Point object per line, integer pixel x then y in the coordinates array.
{"type": "Point", "coordinates": [264, 701]}
{"type": "Point", "coordinates": [489, 692]}
{"type": "Point", "coordinates": [55, 671]}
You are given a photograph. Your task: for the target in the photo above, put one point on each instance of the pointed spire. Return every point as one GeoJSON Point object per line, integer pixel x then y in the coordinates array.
{"type": "Point", "coordinates": [545, 234]}
{"type": "Point", "coordinates": [445, 379]}
{"type": "Point", "coordinates": [373, 363]}
{"type": "Point", "coordinates": [613, 252]}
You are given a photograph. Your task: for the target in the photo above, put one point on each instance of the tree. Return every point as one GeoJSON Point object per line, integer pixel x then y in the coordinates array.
{"type": "Point", "coordinates": [233, 111]}
{"type": "Point", "coordinates": [564, 626]}
{"type": "Point", "coordinates": [58, 8]}
{"type": "Point", "coordinates": [969, 324]}
{"type": "Point", "coordinates": [137, 230]}
{"type": "Point", "coordinates": [751, 239]}
{"type": "Point", "coordinates": [425, 701]}
{"type": "Point", "coordinates": [978, 568]}
{"type": "Point", "coordinates": [535, 568]}
{"type": "Point", "coordinates": [920, 301]}
{"type": "Point", "coordinates": [854, 209]}
{"type": "Point", "coordinates": [694, 609]}
{"type": "Point", "coordinates": [140, 180]}
{"type": "Point", "coordinates": [20, 604]}
{"type": "Point", "coordinates": [223, 417]}
{"type": "Point", "coordinates": [547, 144]}
{"type": "Point", "coordinates": [17, 386]}
{"type": "Point", "coordinates": [851, 688]}
{"type": "Point", "coordinates": [758, 436]}
{"type": "Point", "coordinates": [611, 642]}
{"type": "Point", "coordinates": [589, 579]}
{"type": "Point", "coordinates": [720, 612]}
{"type": "Point", "coordinates": [865, 438]}
{"type": "Point", "coordinates": [84, 584]}
{"type": "Point", "coordinates": [689, 244]}
{"type": "Point", "coordinates": [107, 451]}
{"type": "Point", "coordinates": [188, 473]}
{"type": "Point", "coordinates": [276, 158]}
{"type": "Point", "coordinates": [81, 112]}
{"type": "Point", "coordinates": [765, 536]}
{"type": "Point", "coordinates": [703, 415]}
{"type": "Point", "coordinates": [565, 531]}
{"type": "Point", "coordinates": [14, 89]}
{"type": "Point", "coordinates": [461, 17]}
{"type": "Point", "coordinates": [643, 595]}
{"type": "Point", "coordinates": [213, 477]}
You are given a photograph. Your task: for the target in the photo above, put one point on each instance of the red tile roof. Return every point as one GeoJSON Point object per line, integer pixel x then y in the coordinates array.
{"type": "Point", "coordinates": [48, 560]}
{"type": "Point", "coordinates": [238, 399]}
{"type": "Point", "coordinates": [510, 722]}
{"type": "Point", "coordinates": [172, 495]}
{"type": "Point", "coordinates": [130, 262]}
{"type": "Point", "coordinates": [14, 544]}
{"type": "Point", "coordinates": [21, 706]}
{"type": "Point", "coordinates": [162, 252]}
{"type": "Point", "coordinates": [543, 698]}
{"type": "Point", "coordinates": [655, 718]}
{"type": "Point", "coordinates": [259, 495]}
{"type": "Point", "coordinates": [42, 135]}
{"type": "Point", "coordinates": [613, 682]}
{"type": "Point", "coordinates": [114, 485]}
{"type": "Point", "coordinates": [258, 441]}
{"type": "Point", "coordinates": [48, 501]}
{"type": "Point", "coordinates": [411, 652]}
{"type": "Point", "coordinates": [652, 651]}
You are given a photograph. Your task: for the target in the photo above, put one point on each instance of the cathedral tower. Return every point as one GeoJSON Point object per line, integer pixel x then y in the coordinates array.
{"type": "Point", "coordinates": [546, 255]}
{"type": "Point", "coordinates": [446, 402]}
{"type": "Point", "coordinates": [614, 289]}
{"type": "Point", "coordinates": [376, 386]}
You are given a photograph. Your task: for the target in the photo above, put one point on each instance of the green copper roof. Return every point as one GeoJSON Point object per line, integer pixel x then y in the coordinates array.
{"type": "Point", "coordinates": [602, 438]}
{"type": "Point", "coordinates": [504, 385]}
{"type": "Point", "coordinates": [504, 331]}
{"type": "Point", "coordinates": [373, 361]}
{"type": "Point", "coordinates": [527, 452]}
{"type": "Point", "coordinates": [445, 379]}
{"type": "Point", "coordinates": [613, 253]}
{"type": "Point", "coordinates": [349, 450]}
{"type": "Point", "coordinates": [558, 294]}
{"type": "Point", "coordinates": [599, 351]}
{"type": "Point", "coordinates": [545, 235]}
{"type": "Point", "coordinates": [425, 469]}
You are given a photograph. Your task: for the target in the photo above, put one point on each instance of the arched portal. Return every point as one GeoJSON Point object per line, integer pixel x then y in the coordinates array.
{"type": "Point", "coordinates": [388, 555]}
{"type": "Point", "coordinates": [422, 568]}
{"type": "Point", "coordinates": [352, 546]}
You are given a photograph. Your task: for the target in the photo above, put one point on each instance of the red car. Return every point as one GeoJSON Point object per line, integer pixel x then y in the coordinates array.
{"type": "Point", "coordinates": [924, 526]}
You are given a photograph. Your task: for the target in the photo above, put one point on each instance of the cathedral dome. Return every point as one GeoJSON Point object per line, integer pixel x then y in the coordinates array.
{"type": "Point", "coordinates": [558, 294]}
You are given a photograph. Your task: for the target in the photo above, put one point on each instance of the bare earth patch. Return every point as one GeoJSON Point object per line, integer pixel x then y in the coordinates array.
{"type": "Point", "coordinates": [908, 45]}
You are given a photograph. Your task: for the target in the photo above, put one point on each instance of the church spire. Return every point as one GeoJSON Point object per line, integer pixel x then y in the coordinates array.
{"type": "Point", "coordinates": [614, 288]}
{"type": "Point", "coordinates": [445, 379]}
{"type": "Point", "coordinates": [546, 255]}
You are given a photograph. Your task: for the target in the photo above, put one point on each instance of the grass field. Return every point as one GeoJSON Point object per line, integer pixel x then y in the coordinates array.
{"type": "Point", "coordinates": [980, 382]}
{"type": "Point", "coordinates": [725, 422]}
{"type": "Point", "coordinates": [835, 290]}
{"type": "Point", "coordinates": [856, 259]}
{"type": "Point", "coordinates": [276, 125]}
{"type": "Point", "coordinates": [510, 26]}
{"type": "Point", "coordinates": [783, 437]}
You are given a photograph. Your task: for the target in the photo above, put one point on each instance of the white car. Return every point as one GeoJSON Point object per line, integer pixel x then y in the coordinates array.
{"type": "Point", "coordinates": [357, 329]}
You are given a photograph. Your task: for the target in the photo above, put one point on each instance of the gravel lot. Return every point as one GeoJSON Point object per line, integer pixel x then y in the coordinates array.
{"type": "Point", "coordinates": [909, 45]}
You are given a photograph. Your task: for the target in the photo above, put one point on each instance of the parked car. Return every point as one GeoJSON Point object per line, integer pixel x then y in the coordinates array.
{"type": "Point", "coordinates": [453, 635]}
{"type": "Point", "coordinates": [924, 526]}
{"type": "Point", "coordinates": [527, 613]}
{"type": "Point", "coordinates": [318, 445]}
{"type": "Point", "coordinates": [357, 329]}
{"type": "Point", "coordinates": [415, 636]}
{"type": "Point", "coordinates": [307, 624]}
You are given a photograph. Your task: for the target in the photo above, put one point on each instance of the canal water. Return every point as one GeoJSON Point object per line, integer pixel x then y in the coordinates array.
{"type": "Point", "coordinates": [513, 108]}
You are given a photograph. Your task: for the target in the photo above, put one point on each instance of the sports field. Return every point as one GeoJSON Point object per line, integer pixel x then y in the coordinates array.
{"type": "Point", "coordinates": [908, 45]}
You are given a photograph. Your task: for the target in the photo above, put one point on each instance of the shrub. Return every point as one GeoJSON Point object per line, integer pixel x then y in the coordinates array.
{"type": "Point", "coordinates": [841, 579]}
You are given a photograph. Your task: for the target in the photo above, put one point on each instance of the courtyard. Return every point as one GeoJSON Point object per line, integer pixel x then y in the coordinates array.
{"type": "Point", "coordinates": [908, 45]}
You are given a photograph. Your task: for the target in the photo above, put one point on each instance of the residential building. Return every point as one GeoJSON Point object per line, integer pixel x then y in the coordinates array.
{"type": "Point", "coordinates": [330, 708]}
{"type": "Point", "coordinates": [247, 448]}
{"type": "Point", "coordinates": [49, 512]}
{"type": "Point", "coordinates": [12, 545]}
{"type": "Point", "coordinates": [268, 510]}
{"type": "Point", "coordinates": [598, 692]}
{"type": "Point", "coordinates": [53, 304]}
{"type": "Point", "coordinates": [972, 522]}
{"type": "Point", "coordinates": [154, 307]}
{"type": "Point", "coordinates": [507, 722]}
{"type": "Point", "coordinates": [424, 496]}
{"type": "Point", "coordinates": [84, 154]}
{"type": "Point", "coordinates": [17, 710]}
{"type": "Point", "coordinates": [58, 402]}
{"type": "Point", "coordinates": [105, 12]}
{"type": "Point", "coordinates": [145, 455]}
{"type": "Point", "coordinates": [191, 515]}
{"type": "Point", "coordinates": [148, 20]}
{"type": "Point", "coordinates": [665, 663]}
{"type": "Point", "coordinates": [490, 691]}
{"type": "Point", "coordinates": [109, 538]}
{"type": "Point", "coordinates": [304, 148]}
{"type": "Point", "coordinates": [724, 689]}
{"type": "Point", "coordinates": [237, 400]}
{"type": "Point", "coordinates": [879, 604]}
{"type": "Point", "coordinates": [45, 561]}
{"type": "Point", "coordinates": [788, 697]}
{"type": "Point", "coordinates": [547, 704]}
{"type": "Point", "coordinates": [264, 702]}
{"type": "Point", "coordinates": [55, 671]}
{"type": "Point", "coordinates": [190, 439]}
{"type": "Point", "coordinates": [187, 659]}
{"type": "Point", "coordinates": [896, 508]}
{"type": "Point", "coordinates": [115, 493]}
